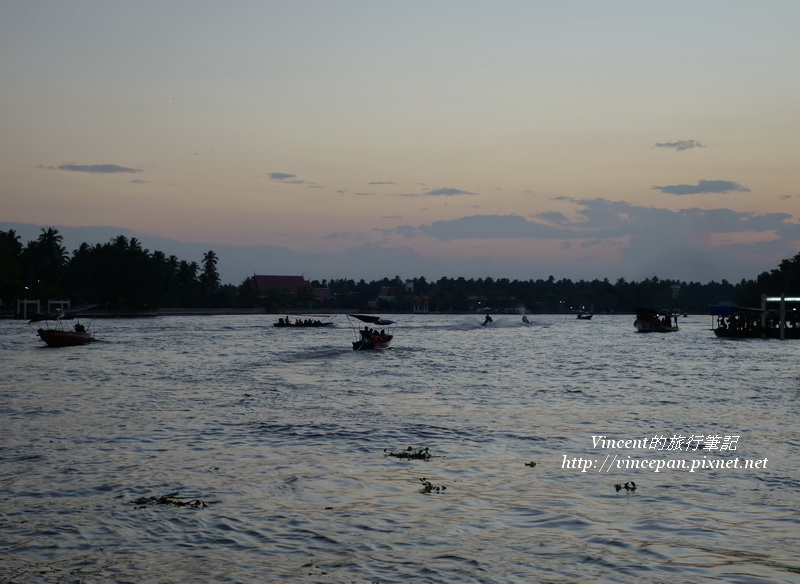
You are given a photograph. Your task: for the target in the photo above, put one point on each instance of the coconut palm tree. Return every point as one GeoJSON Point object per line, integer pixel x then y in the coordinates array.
{"type": "Point", "coordinates": [51, 247]}
{"type": "Point", "coordinates": [10, 266]}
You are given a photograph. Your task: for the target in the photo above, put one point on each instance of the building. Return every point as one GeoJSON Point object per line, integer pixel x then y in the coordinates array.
{"type": "Point", "coordinates": [386, 296]}
{"type": "Point", "coordinates": [268, 284]}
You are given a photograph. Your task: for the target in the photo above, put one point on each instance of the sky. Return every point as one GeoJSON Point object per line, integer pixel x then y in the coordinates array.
{"type": "Point", "coordinates": [363, 139]}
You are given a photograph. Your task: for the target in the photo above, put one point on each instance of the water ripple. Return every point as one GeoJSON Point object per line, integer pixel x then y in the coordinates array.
{"type": "Point", "coordinates": [285, 437]}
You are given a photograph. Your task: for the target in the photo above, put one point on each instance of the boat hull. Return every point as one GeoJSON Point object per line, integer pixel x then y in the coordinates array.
{"type": "Point", "coordinates": [644, 325]}
{"type": "Point", "coordinates": [56, 338]}
{"type": "Point", "coordinates": [757, 333]}
{"type": "Point", "coordinates": [364, 345]}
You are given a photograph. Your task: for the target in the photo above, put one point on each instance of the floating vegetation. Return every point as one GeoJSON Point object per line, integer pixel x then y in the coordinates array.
{"type": "Point", "coordinates": [629, 486]}
{"type": "Point", "coordinates": [530, 464]}
{"type": "Point", "coordinates": [171, 499]}
{"type": "Point", "coordinates": [429, 487]}
{"type": "Point", "coordinates": [410, 454]}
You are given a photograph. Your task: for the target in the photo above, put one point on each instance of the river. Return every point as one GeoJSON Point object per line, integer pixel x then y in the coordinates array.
{"type": "Point", "coordinates": [284, 441]}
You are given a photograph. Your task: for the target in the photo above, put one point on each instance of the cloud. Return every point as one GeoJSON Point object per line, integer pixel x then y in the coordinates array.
{"type": "Point", "coordinates": [703, 186]}
{"type": "Point", "coordinates": [485, 227]}
{"type": "Point", "coordinates": [605, 219]}
{"type": "Point", "coordinates": [680, 145]}
{"type": "Point", "coordinates": [636, 242]}
{"type": "Point", "coordinates": [553, 217]}
{"type": "Point", "coordinates": [285, 177]}
{"type": "Point", "coordinates": [380, 183]}
{"type": "Point", "coordinates": [340, 235]}
{"type": "Point", "coordinates": [98, 168]}
{"type": "Point", "coordinates": [445, 192]}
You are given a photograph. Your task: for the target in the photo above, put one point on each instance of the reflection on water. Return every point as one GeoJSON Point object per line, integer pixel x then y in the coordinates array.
{"type": "Point", "coordinates": [282, 433]}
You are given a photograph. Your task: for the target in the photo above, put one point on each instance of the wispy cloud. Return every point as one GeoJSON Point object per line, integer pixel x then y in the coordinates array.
{"type": "Point", "coordinates": [380, 183]}
{"type": "Point", "coordinates": [447, 192]}
{"type": "Point", "coordinates": [285, 177]}
{"type": "Point", "coordinates": [443, 192]}
{"type": "Point", "coordinates": [98, 168]}
{"type": "Point", "coordinates": [680, 145]}
{"type": "Point", "coordinates": [702, 187]}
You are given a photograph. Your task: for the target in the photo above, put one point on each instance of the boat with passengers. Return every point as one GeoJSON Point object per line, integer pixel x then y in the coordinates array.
{"type": "Point", "coordinates": [655, 320]}
{"type": "Point", "coordinates": [778, 317]}
{"type": "Point", "coordinates": [368, 338]}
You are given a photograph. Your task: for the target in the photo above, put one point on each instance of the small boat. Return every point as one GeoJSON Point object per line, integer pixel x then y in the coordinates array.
{"type": "Point", "coordinates": [56, 334]}
{"type": "Point", "coordinates": [368, 338]}
{"type": "Point", "coordinates": [655, 320]}
{"type": "Point", "coordinates": [585, 316]}
{"type": "Point", "coordinates": [304, 321]}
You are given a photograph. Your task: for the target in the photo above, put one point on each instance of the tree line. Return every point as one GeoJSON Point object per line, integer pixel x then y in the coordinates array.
{"type": "Point", "coordinates": [121, 275]}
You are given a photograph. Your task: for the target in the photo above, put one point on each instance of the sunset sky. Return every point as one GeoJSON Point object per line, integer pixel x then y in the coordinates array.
{"type": "Point", "coordinates": [518, 138]}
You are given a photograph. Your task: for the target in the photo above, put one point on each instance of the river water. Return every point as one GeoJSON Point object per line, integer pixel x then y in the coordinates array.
{"type": "Point", "coordinates": [282, 438]}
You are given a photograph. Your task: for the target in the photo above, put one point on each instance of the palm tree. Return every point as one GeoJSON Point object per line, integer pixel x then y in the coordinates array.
{"type": "Point", "coordinates": [51, 247]}
{"type": "Point", "coordinates": [210, 275]}
{"type": "Point", "coordinates": [10, 266]}
{"type": "Point", "coordinates": [209, 279]}
{"type": "Point", "coordinates": [120, 241]}
{"type": "Point", "coordinates": [11, 241]}
{"type": "Point", "coordinates": [43, 263]}
{"type": "Point", "coordinates": [188, 285]}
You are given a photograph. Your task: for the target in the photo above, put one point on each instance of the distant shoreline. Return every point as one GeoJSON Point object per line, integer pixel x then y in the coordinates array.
{"type": "Point", "coordinates": [261, 311]}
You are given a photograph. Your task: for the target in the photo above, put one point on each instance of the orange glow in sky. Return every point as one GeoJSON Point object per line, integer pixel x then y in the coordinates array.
{"type": "Point", "coordinates": [529, 138]}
